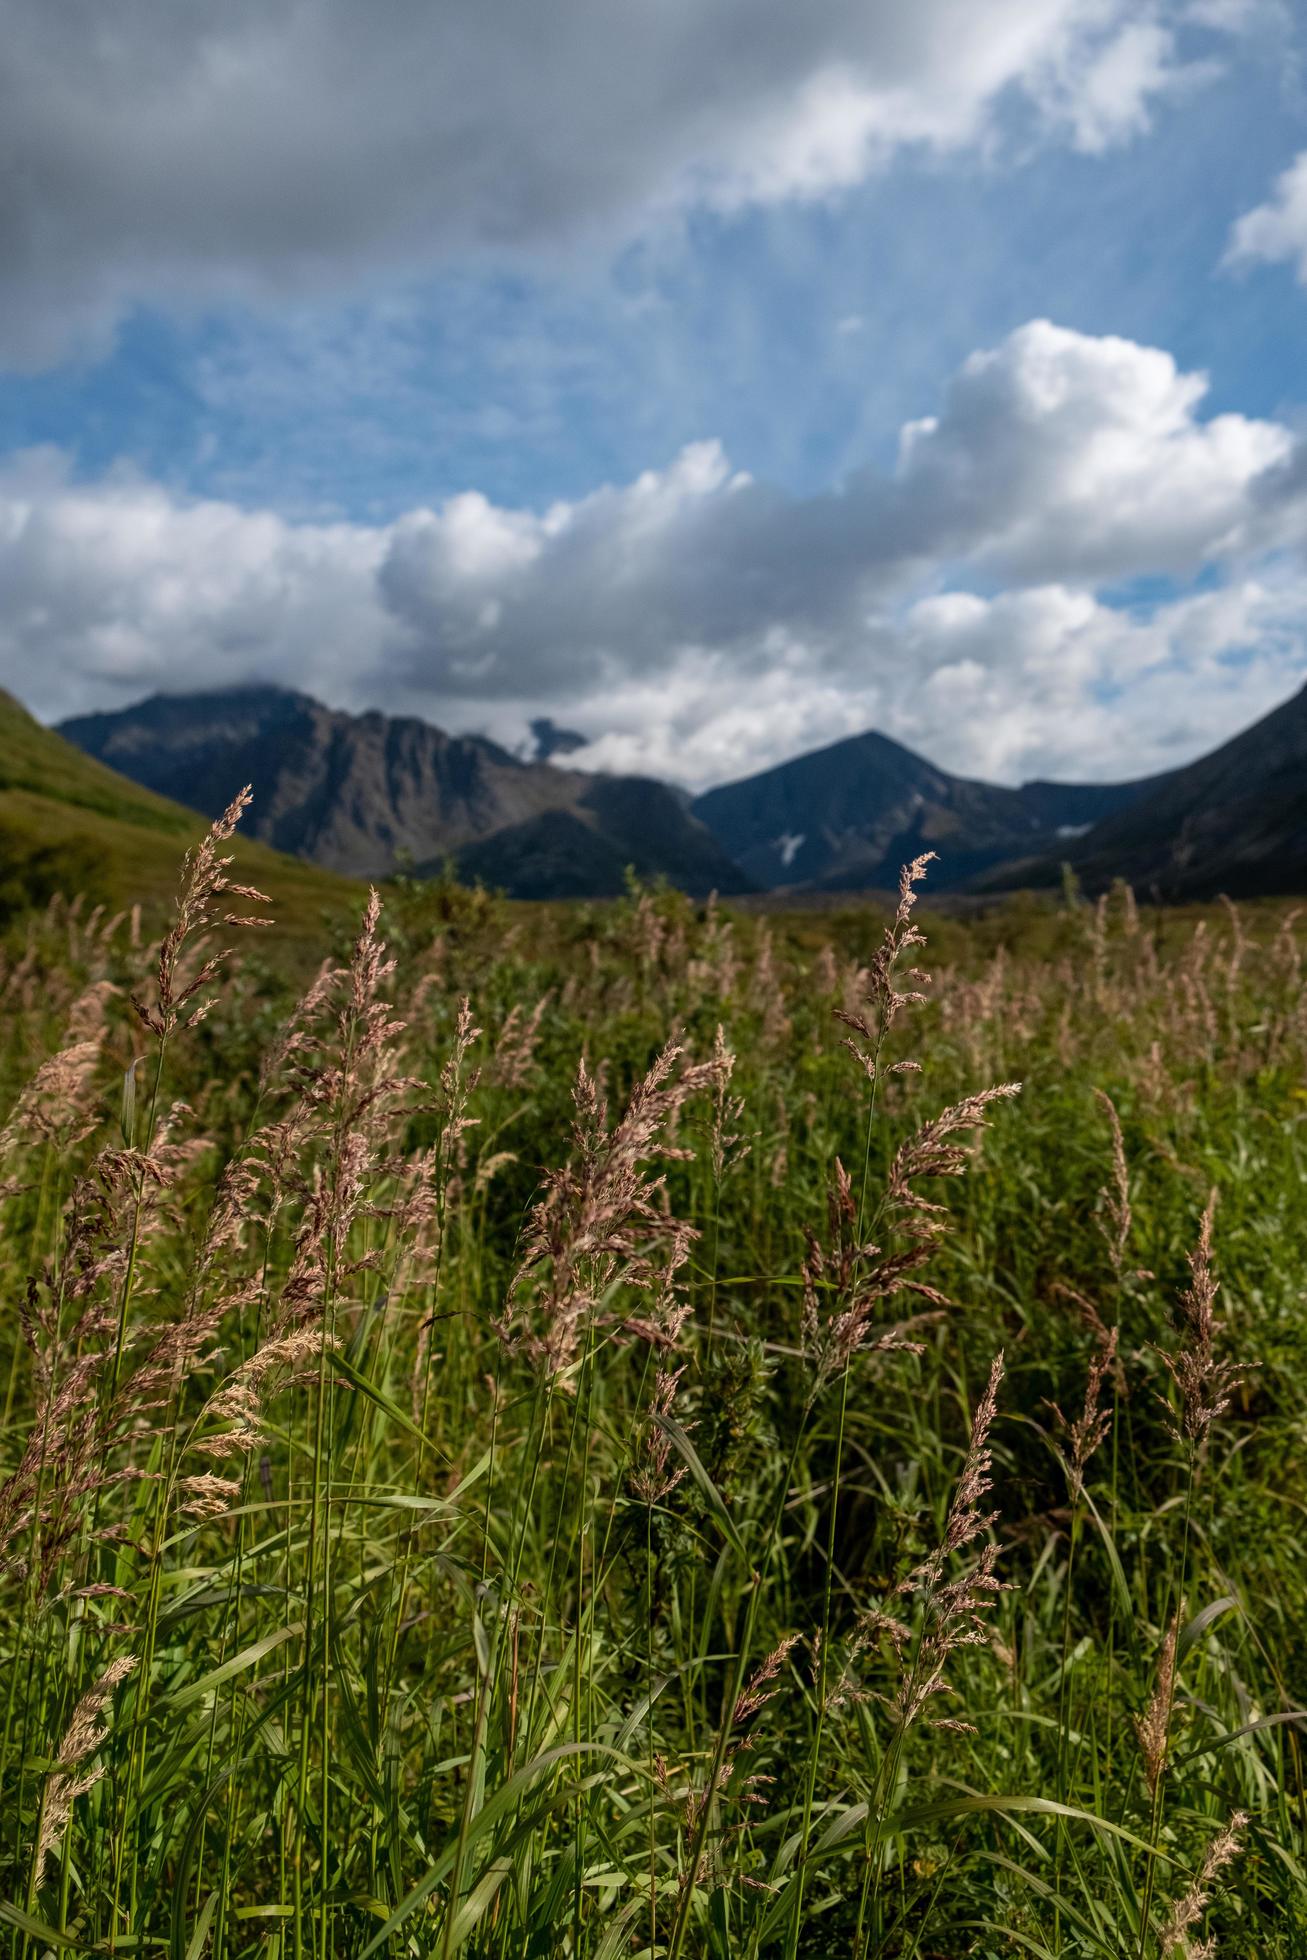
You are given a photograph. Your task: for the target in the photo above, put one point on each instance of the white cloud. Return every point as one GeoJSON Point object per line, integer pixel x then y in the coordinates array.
{"type": "Point", "coordinates": [1047, 682]}
{"type": "Point", "coordinates": [1052, 681]}
{"type": "Point", "coordinates": [178, 154]}
{"type": "Point", "coordinates": [700, 623]}
{"type": "Point", "coordinates": [1062, 455]}
{"type": "Point", "coordinates": [1275, 233]}
{"type": "Point", "coordinates": [115, 588]}
{"type": "Point", "coordinates": [1108, 98]}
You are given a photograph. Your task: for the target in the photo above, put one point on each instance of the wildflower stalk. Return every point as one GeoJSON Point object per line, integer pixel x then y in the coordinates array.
{"type": "Point", "coordinates": [949, 1620]}
{"type": "Point", "coordinates": [1188, 1910]}
{"type": "Point", "coordinates": [739, 1675]}
{"type": "Point", "coordinates": [823, 1664]}
{"type": "Point", "coordinates": [1084, 1437]}
{"type": "Point", "coordinates": [133, 1249]}
{"type": "Point", "coordinates": [455, 1088]}
{"type": "Point", "coordinates": [649, 1663]}
{"type": "Point", "coordinates": [823, 1690]}
{"type": "Point", "coordinates": [1206, 1383]}
{"type": "Point", "coordinates": [580, 1674]}
{"type": "Point", "coordinates": [858, 1287]}
{"type": "Point", "coordinates": [1155, 1728]}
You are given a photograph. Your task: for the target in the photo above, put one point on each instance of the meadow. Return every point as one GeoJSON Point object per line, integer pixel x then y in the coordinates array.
{"type": "Point", "coordinates": [649, 1430]}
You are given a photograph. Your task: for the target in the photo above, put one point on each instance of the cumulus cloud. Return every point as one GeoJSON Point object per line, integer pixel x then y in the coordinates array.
{"type": "Point", "coordinates": [179, 154]}
{"type": "Point", "coordinates": [1056, 457]}
{"type": "Point", "coordinates": [699, 623]}
{"type": "Point", "coordinates": [1061, 454]}
{"type": "Point", "coordinates": [1047, 682]}
{"type": "Point", "coordinates": [115, 588]}
{"type": "Point", "coordinates": [1275, 233]}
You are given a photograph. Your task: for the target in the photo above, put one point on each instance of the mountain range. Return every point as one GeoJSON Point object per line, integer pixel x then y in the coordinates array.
{"type": "Point", "coordinates": [1234, 822]}
{"type": "Point", "coordinates": [845, 818]}
{"type": "Point", "coordinates": [364, 793]}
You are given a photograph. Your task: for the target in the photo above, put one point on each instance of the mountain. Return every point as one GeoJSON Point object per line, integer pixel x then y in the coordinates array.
{"type": "Point", "coordinates": [1235, 822]}
{"type": "Point", "coordinates": [584, 852]}
{"type": "Point", "coordinates": [549, 740]}
{"type": "Point", "coordinates": [68, 824]}
{"type": "Point", "coordinates": [846, 817]}
{"type": "Point", "coordinates": [351, 792]}
{"type": "Point", "coordinates": [361, 793]}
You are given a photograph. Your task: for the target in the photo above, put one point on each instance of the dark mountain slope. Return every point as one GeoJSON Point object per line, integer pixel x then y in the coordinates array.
{"type": "Point", "coordinates": [348, 791]}
{"type": "Point", "coordinates": [1235, 821]}
{"type": "Point", "coordinates": [848, 816]}
{"type": "Point", "coordinates": [617, 822]}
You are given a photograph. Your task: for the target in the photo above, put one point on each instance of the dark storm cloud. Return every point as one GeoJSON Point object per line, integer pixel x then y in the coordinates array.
{"type": "Point", "coordinates": [151, 150]}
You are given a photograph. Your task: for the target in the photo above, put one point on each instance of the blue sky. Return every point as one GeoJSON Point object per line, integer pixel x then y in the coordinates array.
{"type": "Point", "coordinates": [247, 430]}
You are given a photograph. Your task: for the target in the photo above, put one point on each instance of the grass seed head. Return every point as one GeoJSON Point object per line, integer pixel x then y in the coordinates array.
{"type": "Point", "coordinates": [1185, 1914]}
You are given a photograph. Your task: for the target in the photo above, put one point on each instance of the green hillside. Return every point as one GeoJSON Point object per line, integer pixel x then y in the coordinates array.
{"type": "Point", "coordinates": [69, 824]}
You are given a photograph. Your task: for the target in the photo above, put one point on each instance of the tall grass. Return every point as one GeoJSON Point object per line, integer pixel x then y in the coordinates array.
{"type": "Point", "coordinates": [554, 1443]}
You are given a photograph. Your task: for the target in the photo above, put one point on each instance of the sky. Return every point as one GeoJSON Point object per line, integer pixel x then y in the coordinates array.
{"type": "Point", "coordinates": [716, 377]}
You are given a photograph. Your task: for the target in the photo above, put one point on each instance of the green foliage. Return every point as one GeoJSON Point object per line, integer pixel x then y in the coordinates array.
{"type": "Point", "coordinates": [69, 825]}
{"type": "Point", "coordinates": [32, 871]}
{"type": "Point", "coordinates": [413, 1541]}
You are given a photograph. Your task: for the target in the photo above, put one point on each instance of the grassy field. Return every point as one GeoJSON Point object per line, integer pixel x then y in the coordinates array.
{"type": "Point", "coordinates": [623, 1432]}
{"type": "Point", "coordinates": [69, 825]}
